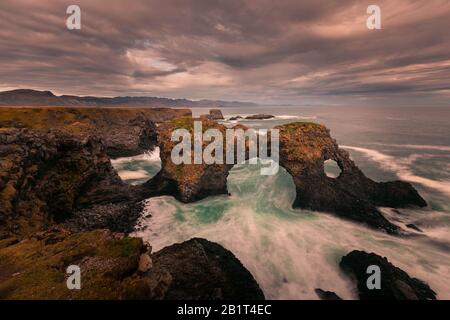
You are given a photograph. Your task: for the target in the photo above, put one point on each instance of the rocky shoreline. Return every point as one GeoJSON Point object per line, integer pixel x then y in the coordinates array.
{"type": "Point", "coordinates": [114, 266]}
{"type": "Point", "coordinates": [304, 148]}
{"type": "Point", "coordinates": [61, 198]}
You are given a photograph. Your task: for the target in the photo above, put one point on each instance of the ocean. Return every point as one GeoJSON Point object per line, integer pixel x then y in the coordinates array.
{"type": "Point", "coordinates": [290, 252]}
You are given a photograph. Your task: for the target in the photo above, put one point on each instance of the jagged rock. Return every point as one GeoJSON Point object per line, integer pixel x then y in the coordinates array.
{"type": "Point", "coordinates": [45, 176]}
{"type": "Point", "coordinates": [201, 269]}
{"type": "Point", "coordinates": [186, 182]}
{"type": "Point", "coordinates": [260, 117]}
{"type": "Point", "coordinates": [125, 132]}
{"type": "Point", "coordinates": [396, 284]}
{"type": "Point", "coordinates": [145, 263]}
{"type": "Point", "coordinates": [326, 295]}
{"type": "Point", "coordinates": [117, 267]}
{"type": "Point", "coordinates": [304, 147]}
{"type": "Point", "coordinates": [118, 217]}
{"type": "Point", "coordinates": [215, 114]}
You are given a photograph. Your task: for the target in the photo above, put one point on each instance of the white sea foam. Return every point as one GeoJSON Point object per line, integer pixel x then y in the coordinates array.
{"type": "Point", "coordinates": [417, 146]}
{"type": "Point", "coordinates": [401, 167]}
{"type": "Point", "coordinates": [152, 156]}
{"type": "Point", "coordinates": [125, 173]}
{"type": "Point", "coordinates": [133, 175]}
{"type": "Point", "coordinates": [396, 119]}
{"type": "Point", "coordinates": [289, 252]}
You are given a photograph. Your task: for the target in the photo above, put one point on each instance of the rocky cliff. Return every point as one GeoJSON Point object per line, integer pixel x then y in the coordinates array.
{"type": "Point", "coordinates": [46, 176]}
{"type": "Point", "coordinates": [186, 182]}
{"type": "Point", "coordinates": [125, 132]}
{"type": "Point", "coordinates": [55, 185]}
{"type": "Point", "coordinates": [304, 147]}
{"type": "Point", "coordinates": [117, 267]}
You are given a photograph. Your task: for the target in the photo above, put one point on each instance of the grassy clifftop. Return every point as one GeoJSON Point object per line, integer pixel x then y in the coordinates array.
{"type": "Point", "coordinates": [80, 119]}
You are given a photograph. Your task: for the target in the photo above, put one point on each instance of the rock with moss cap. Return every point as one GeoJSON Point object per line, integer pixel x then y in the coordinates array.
{"type": "Point", "coordinates": [47, 175]}
{"type": "Point", "coordinates": [124, 131]}
{"type": "Point", "coordinates": [304, 147]}
{"type": "Point", "coordinates": [216, 114]}
{"type": "Point", "coordinates": [114, 266]}
{"type": "Point", "coordinates": [187, 182]}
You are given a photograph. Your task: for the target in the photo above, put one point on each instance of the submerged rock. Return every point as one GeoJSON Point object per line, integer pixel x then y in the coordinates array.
{"type": "Point", "coordinates": [260, 117]}
{"type": "Point", "coordinates": [396, 284]}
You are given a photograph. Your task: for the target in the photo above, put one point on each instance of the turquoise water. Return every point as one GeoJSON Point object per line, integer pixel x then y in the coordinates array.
{"type": "Point", "coordinates": [292, 252]}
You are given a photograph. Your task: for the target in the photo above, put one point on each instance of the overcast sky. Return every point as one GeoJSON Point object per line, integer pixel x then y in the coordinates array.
{"type": "Point", "coordinates": [316, 52]}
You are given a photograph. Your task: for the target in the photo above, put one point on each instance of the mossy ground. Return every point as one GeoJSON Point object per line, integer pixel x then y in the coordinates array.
{"type": "Point", "coordinates": [74, 120]}
{"type": "Point", "coordinates": [36, 268]}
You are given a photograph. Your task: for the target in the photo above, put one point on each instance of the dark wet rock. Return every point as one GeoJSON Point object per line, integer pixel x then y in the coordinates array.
{"type": "Point", "coordinates": [125, 132]}
{"type": "Point", "coordinates": [396, 284]}
{"type": "Point", "coordinates": [114, 266]}
{"type": "Point", "coordinates": [45, 176]}
{"type": "Point", "coordinates": [216, 114]}
{"type": "Point", "coordinates": [235, 118]}
{"type": "Point", "coordinates": [117, 217]}
{"type": "Point", "coordinates": [200, 269]}
{"type": "Point", "coordinates": [414, 227]}
{"type": "Point", "coordinates": [260, 117]}
{"type": "Point", "coordinates": [304, 147]}
{"type": "Point", "coordinates": [326, 295]}
{"type": "Point", "coordinates": [186, 182]}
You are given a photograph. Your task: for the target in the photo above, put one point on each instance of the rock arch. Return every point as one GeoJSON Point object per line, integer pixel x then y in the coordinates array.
{"type": "Point", "coordinates": [303, 149]}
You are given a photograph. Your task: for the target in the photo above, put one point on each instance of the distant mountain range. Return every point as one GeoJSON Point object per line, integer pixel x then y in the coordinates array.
{"type": "Point", "coordinates": [28, 97]}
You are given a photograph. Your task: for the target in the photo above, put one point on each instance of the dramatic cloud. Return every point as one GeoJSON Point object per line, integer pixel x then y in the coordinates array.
{"type": "Point", "coordinates": [289, 51]}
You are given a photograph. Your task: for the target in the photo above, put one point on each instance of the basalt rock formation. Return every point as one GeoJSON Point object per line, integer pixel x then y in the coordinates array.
{"type": "Point", "coordinates": [186, 182]}
{"type": "Point", "coordinates": [396, 284]}
{"type": "Point", "coordinates": [200, 269]}
{"type": "Point", "coordinates": [46, 176]}
{"type": "Point", "coordinates": [216, 114]}
{"type": "Point", "coordinates": [260, 117]}
{"type": "Point", "coordinates": [304, 147]}
{"type": "Point", "coordinates": [55, 186]}
{"type": "Point", "coordinates": [125, 132]}
{"type": "Point", "coordinates": [114, 266]}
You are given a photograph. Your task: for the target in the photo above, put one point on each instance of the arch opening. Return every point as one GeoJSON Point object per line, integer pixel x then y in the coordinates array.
{"type": "Point", "coordinates": [331, 169]}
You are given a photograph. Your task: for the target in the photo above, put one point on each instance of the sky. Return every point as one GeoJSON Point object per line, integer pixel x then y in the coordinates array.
{"type": "Point", "coordinates": [270, 52]}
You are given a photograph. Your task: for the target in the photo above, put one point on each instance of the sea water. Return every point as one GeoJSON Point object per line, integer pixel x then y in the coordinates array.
{"type": "Point", "coordinates": [292, 252]}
